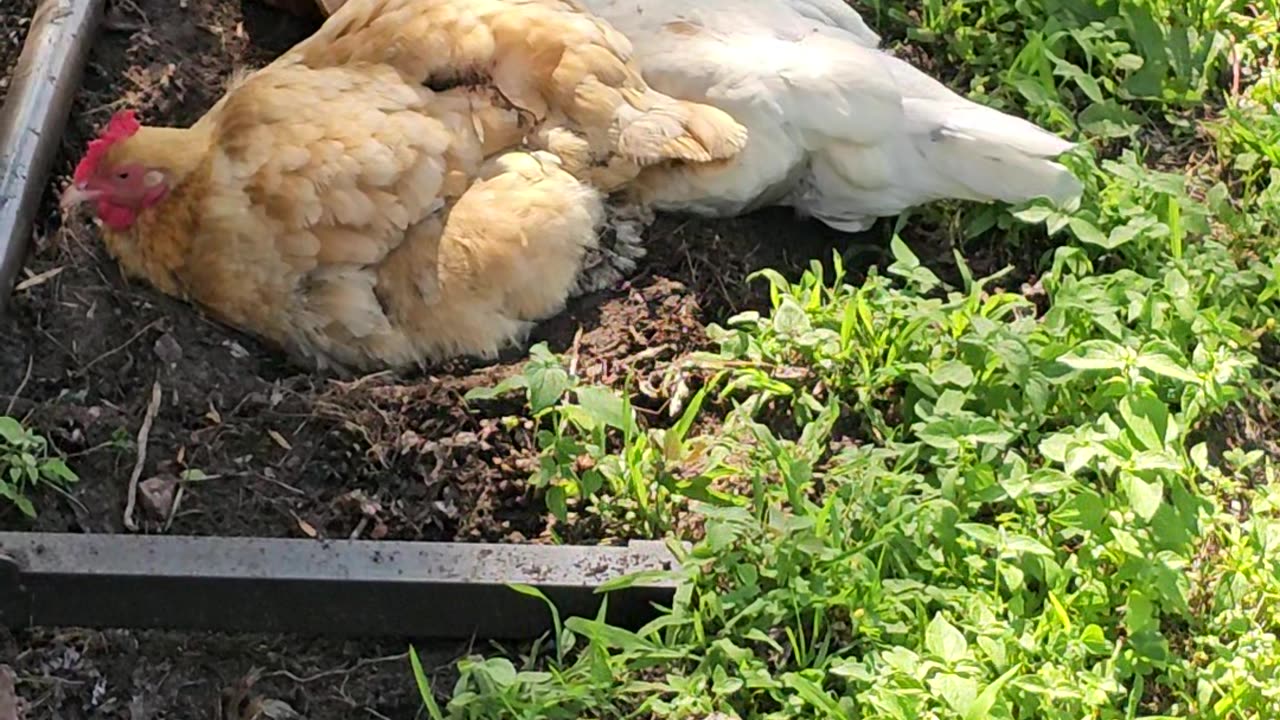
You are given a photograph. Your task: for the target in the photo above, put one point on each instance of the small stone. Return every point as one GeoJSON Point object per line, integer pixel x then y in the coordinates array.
{"type": "Point", "coordinates": [157, 495]}
{"type": "Point", "coordinates": [168, 349]}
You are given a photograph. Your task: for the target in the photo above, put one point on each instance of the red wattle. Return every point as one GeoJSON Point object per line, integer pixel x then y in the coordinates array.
{"type": "Point", "coordinates": [116, 217]}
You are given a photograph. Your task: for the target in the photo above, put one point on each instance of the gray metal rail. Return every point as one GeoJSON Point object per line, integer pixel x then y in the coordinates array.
{"type": "Point", "coordinates": [321, 587]}
{"type": "Point", "coordinates": [33, 117]}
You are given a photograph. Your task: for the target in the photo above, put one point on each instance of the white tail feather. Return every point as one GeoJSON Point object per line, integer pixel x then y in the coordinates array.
{"type": "Point", "coordinates": [948, 148]}
{"type": "Point", "coordinates": [992, 155]}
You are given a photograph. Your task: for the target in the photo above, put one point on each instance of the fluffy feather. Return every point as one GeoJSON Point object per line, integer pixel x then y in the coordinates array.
{"type": "Point", "coordinates": [338, 205]}
{"type": "Point", "coordinates": [549, 58]}
{"type": "Point", "coordinates": [838, 129]}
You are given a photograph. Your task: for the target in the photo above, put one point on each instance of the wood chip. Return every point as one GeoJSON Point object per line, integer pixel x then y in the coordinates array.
{"type": "Point", "coordinates": [307, 528]}
{"type": "Point", "coordinates": [279, 440]}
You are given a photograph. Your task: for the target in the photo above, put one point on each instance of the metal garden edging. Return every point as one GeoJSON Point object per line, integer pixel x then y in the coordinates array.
{"type": "Point", "coordinates": [323, 587]}
{"type": "Point", "coordinates": [33, 117]}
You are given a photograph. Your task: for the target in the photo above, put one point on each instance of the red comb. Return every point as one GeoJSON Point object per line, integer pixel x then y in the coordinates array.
{"type": "Point", "coordinates": [122, 125]}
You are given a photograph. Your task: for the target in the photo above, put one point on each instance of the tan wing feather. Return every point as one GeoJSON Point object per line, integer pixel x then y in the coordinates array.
{"type": "Point", "coordinates": [548, 57]}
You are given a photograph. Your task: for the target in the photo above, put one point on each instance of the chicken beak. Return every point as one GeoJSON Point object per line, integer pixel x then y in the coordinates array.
{"type": "Point", "coordinates": [77, 194]}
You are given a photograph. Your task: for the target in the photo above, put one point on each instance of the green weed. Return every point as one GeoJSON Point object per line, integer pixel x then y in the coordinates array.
{"type": "Point", "coordinates": [960, 501]}
{"type": "Point", "coordinates": [26, 462]}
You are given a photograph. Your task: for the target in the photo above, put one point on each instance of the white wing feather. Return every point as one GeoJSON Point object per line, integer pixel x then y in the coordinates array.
{"type": "Point", "coordinates": [838, 128]}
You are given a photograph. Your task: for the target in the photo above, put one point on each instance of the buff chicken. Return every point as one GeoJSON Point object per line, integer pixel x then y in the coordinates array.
{"type": "Point", "coordinates": [419, 179]}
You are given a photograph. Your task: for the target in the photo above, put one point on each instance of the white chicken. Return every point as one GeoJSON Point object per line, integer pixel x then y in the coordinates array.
{"type": "Point", "coordinates": [837, 128]}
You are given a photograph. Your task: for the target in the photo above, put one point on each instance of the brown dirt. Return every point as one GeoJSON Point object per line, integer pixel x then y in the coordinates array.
{"type": "Point", "coordinates": [15, 17]}
{"type": "Point", "coordinates": [72, 674]}
{"type": "Point", "coordinates": [284, 450]}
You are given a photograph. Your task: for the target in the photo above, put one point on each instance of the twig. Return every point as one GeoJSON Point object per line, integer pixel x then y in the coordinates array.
{"type": "Point", "coordinates": [40, 279]}
{"type": "Point", "coordinates": [149, 326]}
{"type": "Point", "coordinates": [359, 664]}
{"type": "Point", "coordinates": [71, 499]}
{"type": "Point", "coordinates": [152, 408]}
{"type": "Point", "coordinates": [574, 348]}
{"type": "Point", "coordinates": [374, 713]}
{"type": "Point", "coordinates": [1235, 71]}
{"type": "Point", "coordinates": [13, 399]}
{"type": "Point", "coordinates": [173, 509]}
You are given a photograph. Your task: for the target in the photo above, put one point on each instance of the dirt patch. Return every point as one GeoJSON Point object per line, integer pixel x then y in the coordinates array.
{"type": "Point", "coordinates": [15, 18]}
{"type": "Point", "coordinates": [282, 450]}
{"type": "Point", "coordinates": [75, 674]}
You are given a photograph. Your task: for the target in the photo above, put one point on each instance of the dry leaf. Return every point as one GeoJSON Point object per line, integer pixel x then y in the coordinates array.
{"type": "Point", "coordinates": [157, 495]}
{"type": "Point", "coordinates": [239, 702]}
{"type": "Point", "coordinates": [357, 500]}
{"type": "Point", "coordinates": [272, 709]}
{"type": "Point", "coordinates": [307, 528]}
{"type": "Point", "coordinates": [237, 350]}
{"type": "Point", "coordinates": [11, 705]}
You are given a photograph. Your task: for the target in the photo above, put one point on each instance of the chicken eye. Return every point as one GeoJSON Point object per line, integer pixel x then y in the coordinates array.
{"type": "Point", "coordinates": [123, 175]}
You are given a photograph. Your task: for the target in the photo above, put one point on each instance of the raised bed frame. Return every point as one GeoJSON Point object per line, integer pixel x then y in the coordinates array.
{"type": "Point", "coordinates": [359, 588]}
{"type": "Point", "coordinates": [344, 587]}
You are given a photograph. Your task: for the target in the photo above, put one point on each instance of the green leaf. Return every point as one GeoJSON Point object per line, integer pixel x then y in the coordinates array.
{"type": "Point", "coordinates": [1087, 232]}
{"type": "Point", "coordinates": [547, 384]}
{"type": "Point", "coordinates": [908, 267]}
{"type": "Point", "coordinates": [1096, 355]}
{"type": "Point", "coordinates": [56, 469]}
{"type": "Point", "coordinates": [1148, 420]}
{"type": "Point", "coordinates": [953, 372]}
{"type": "Point", "coordinates": [813, 694]}
{"type": "Point", "coordinates": [981, 707]}
{"type": "Point", "coordinates": [1095, 640]}
{"type": "Point", "coordinates": [984, 534]}
{"type": "Point", "coordinates": [12, 431]}
{"type": "Point", "coordinates": [945, 641]}
{"type": "Point", "coordinates": [499, 669]}
{"type": "Point", "coordinates": [515, 382]}
{"type": "Point", "coordinates": [789, 319]}
{"type": "Point", "coordinates": [1109, 119]}
{"type": "Point", "coordinates": [1023, 545]}
{"type": "Point", "coordinates": [563, 638]}
{"type": "Point", "coordinates": [424, 686]}
{"type": "Point", "coordinates": [1140, 612]}
{"type": "Point", "coordinates": [956, 691]}
{"type": "Point", "coordinates": [605, 407]}
{"type": "Point", "coordinates": [24, 504]}
{"type": "Point", "coordinates": [614, 637]}
{"type": "Point", "coordinates": [1085, 511]}
{"type": "Point", "coordinates": [1144, 497]}
{"type": "Point", "coordinates": [557, 502]}
{"type": "Point", "coordinates": [1166, 366]}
